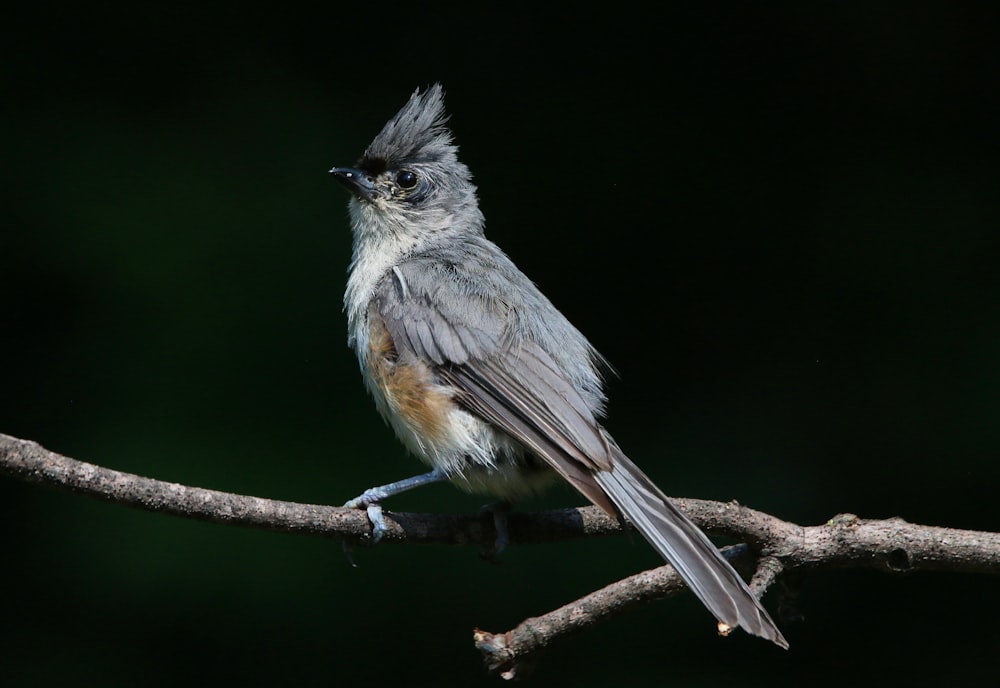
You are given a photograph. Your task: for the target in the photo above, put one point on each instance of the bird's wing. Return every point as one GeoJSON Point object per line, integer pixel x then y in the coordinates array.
{"type": "Point", "coordinates": [520, 393]}
{"type": "Point", "coordinates": [505, 379]}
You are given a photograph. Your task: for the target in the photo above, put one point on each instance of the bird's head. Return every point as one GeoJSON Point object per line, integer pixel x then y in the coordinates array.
{"type": "Point", "coordinates": [409, 182]}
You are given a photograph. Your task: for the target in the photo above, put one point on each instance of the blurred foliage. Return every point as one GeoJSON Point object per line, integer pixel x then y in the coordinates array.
{"type": "Point", "coordinates": [779, 223]}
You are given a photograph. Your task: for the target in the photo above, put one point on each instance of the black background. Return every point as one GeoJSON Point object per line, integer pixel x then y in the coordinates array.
{"type": "Point", "coordinates": [779, 223]}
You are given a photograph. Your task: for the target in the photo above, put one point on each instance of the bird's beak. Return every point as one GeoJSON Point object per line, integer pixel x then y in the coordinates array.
{"type": "Point", "coordinates": [359, 183]}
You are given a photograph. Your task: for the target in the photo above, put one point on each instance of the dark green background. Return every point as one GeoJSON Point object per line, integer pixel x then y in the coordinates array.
{"type": "Point", "coordinates": [779, 223]}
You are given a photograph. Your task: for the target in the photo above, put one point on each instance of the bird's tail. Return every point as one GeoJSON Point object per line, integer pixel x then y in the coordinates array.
{"type": "Point", "coordinates": [686, 548]}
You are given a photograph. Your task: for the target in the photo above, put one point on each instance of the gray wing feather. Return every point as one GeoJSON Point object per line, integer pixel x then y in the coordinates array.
{"type": "Point", "coordinates": [528, 378]}
{"type": "Point", "coordinates": [421, 332]}
{"type": "Point", "coordinates": [492, 404]}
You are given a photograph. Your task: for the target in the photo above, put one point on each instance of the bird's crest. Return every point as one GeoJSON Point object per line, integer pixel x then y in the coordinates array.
{"type": "Point", "coordinates": [416, 133]}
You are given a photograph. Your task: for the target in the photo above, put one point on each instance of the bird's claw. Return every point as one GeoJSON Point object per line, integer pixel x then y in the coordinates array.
{"type": "Point", "coordinates": [369, 501]}
{"type": "Point", "coordinates": [378, 522]}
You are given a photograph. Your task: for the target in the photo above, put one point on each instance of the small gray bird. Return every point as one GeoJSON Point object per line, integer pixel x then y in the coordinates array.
{"type": "Point", "coordinates": [476, 371]}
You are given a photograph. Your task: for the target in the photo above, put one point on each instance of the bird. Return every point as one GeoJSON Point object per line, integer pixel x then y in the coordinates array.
{"type": "Point", "coordinates": [476, 371]}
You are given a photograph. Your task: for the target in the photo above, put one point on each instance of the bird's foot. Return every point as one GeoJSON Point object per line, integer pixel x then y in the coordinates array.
{"type": "Point", "coordinates": [370, 498]}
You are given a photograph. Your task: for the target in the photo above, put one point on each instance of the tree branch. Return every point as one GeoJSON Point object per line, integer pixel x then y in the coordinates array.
{"type": "Point", "coordinates": [29, 461]}
{"type": "Point", "coordinates": [774, 548]}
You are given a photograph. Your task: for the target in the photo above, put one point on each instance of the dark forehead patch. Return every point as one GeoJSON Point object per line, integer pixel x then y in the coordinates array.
{"type": "Point", "coordinates": [373, 165]}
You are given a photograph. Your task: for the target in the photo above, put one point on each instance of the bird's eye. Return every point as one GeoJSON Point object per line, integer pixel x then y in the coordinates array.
{"type": "Point", "coordinates": [406, 179]}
